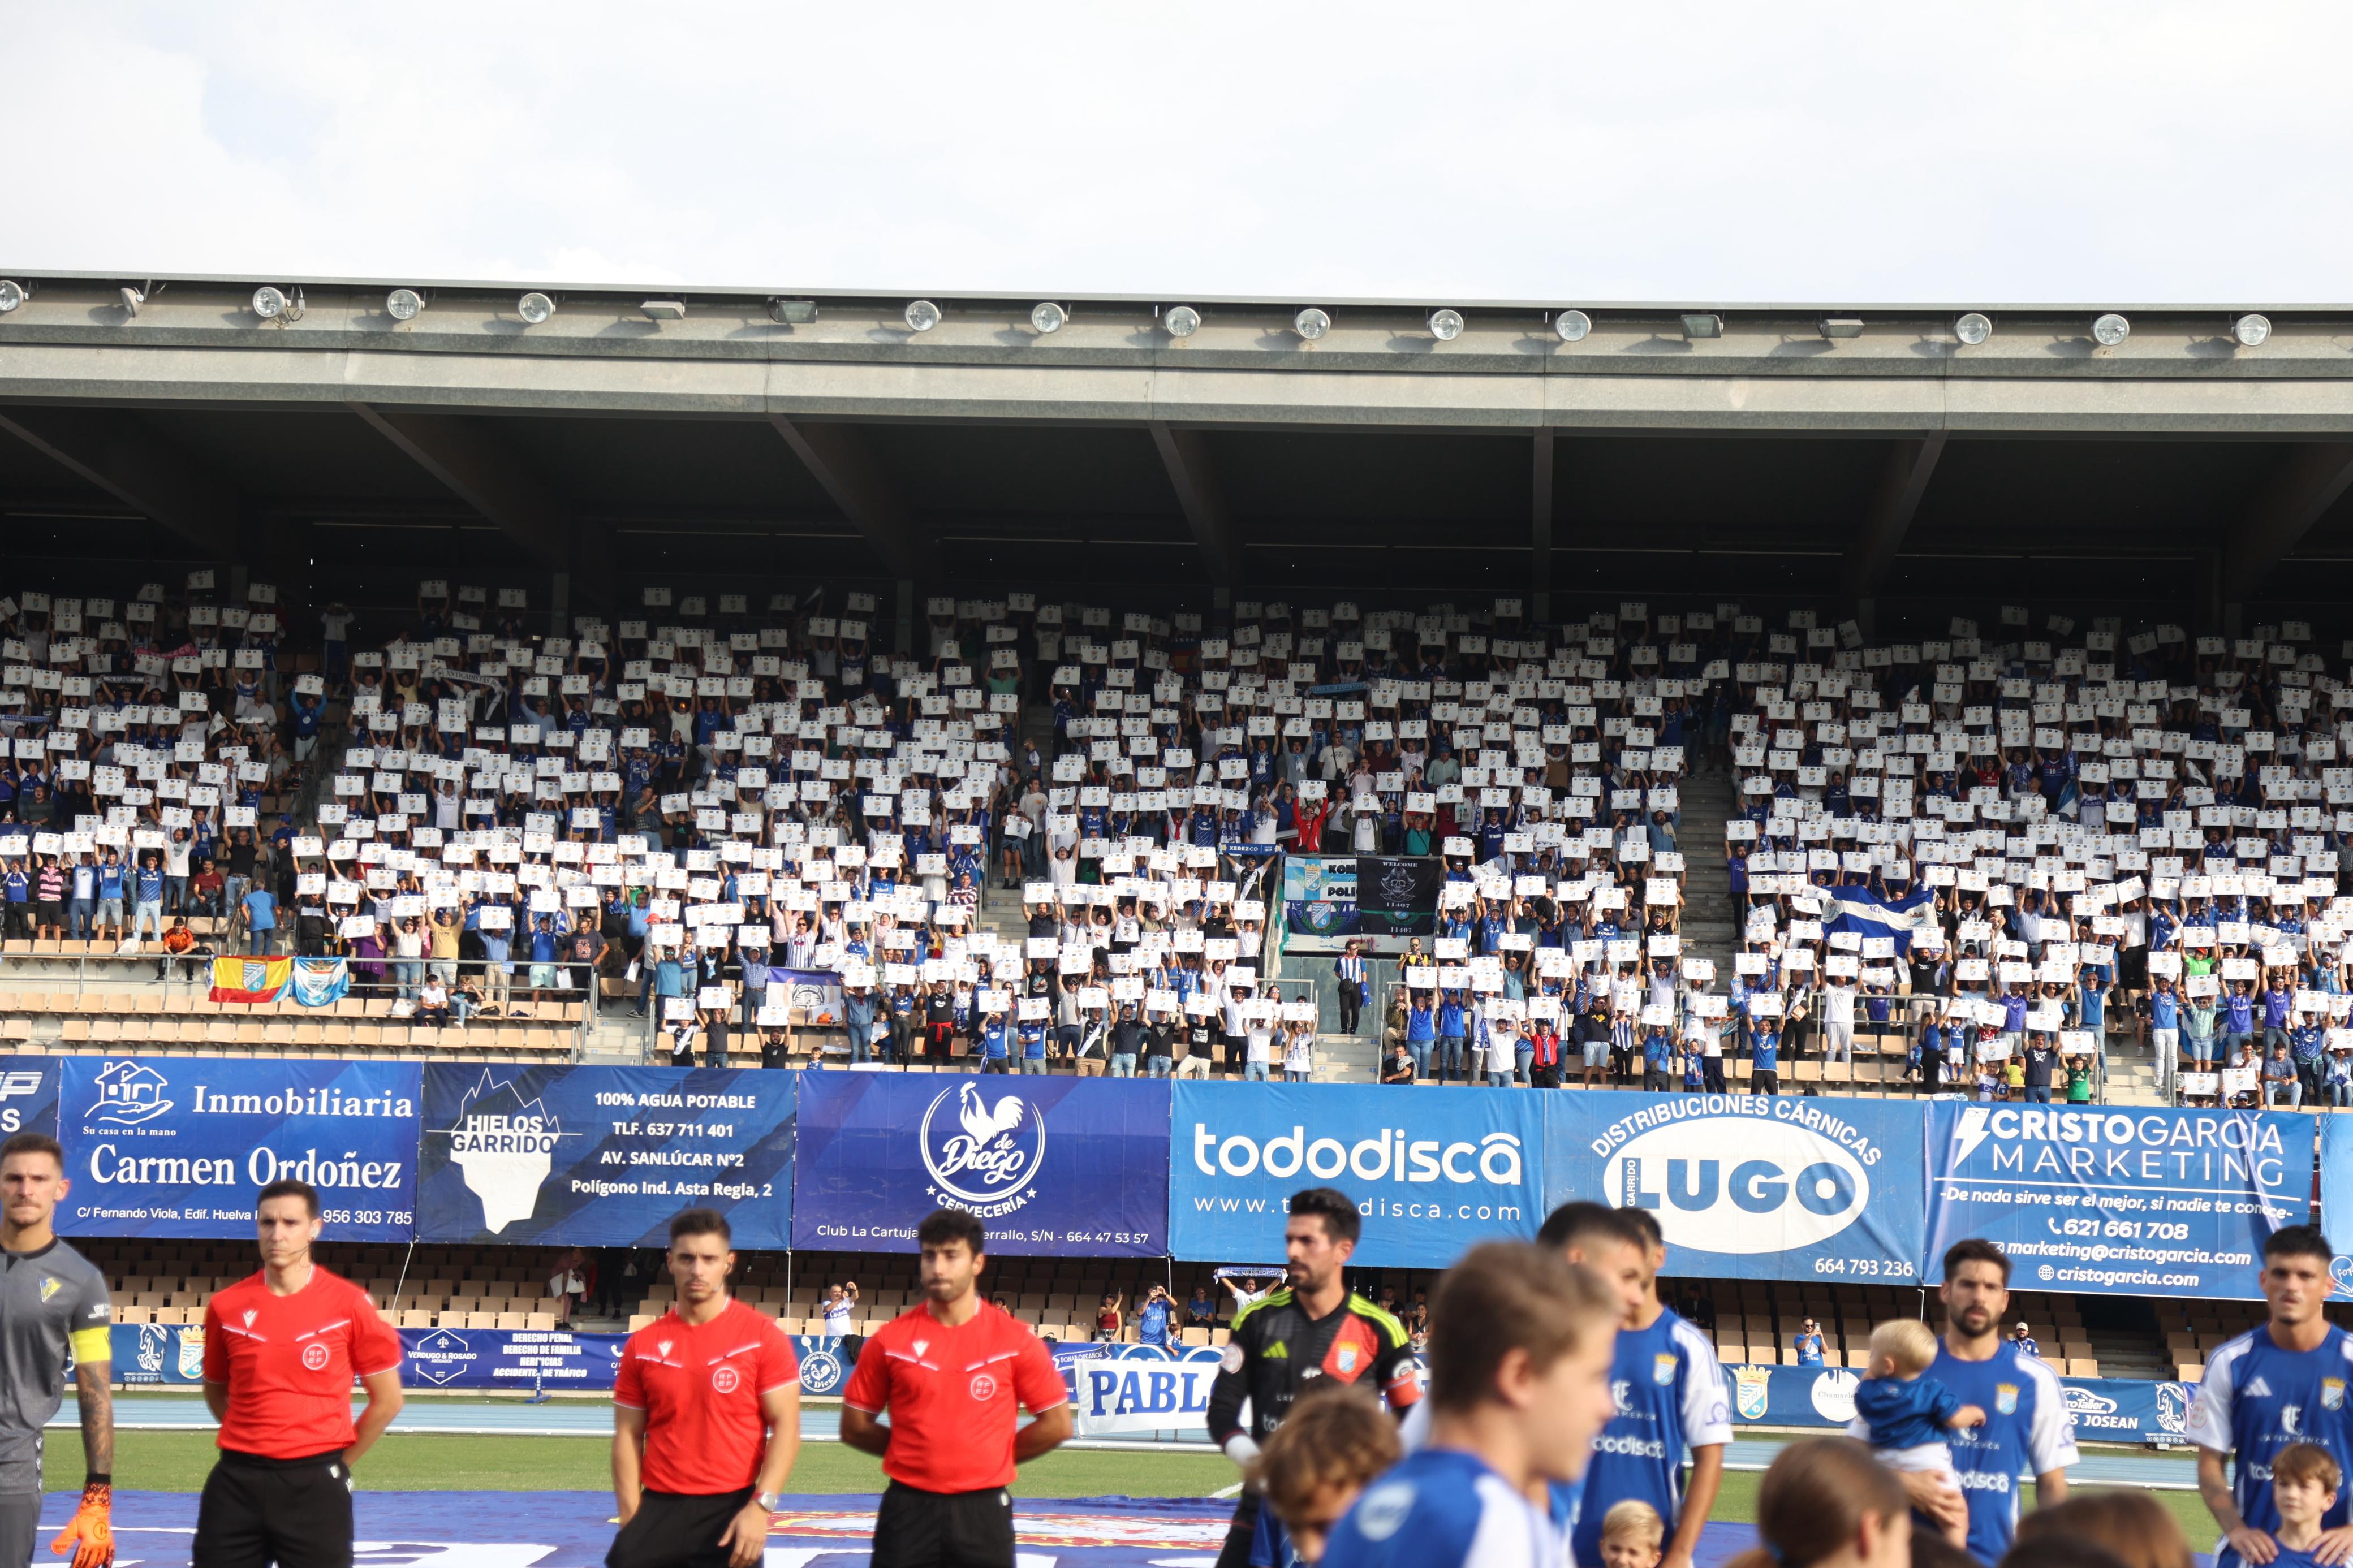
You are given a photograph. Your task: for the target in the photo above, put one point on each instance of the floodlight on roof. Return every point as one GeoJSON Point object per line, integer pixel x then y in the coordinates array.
{"type": "Point", "coordinates": [1446, 325]}
{"type": "Point", "coordinates": [1974, 328]}
{"type": "Point", "coordinates": [1572, 326]}
{"type": "Point", "coordinates": [2110, 329]}
{"type": "Point", "coordinates": [403, 304]}
{"type": "Point", "coordinates": [1182, 321]}
{"type": "Point", "coordinates": [12, 294]}
{"type": "Point", "coordinates": [132, 299]}
{"type": "Point", "coordinates": [1048, 317]}
{"type": "Point", "coordinates": [1703, 324]}
{"type": "Point", "coordinates": [922, 316]}
{"type": "Point", "coordinates": [1311, 323]}
{"type": "Point", "coordinates": [664, 309]}
{"type": "Point", "coordinates": [2249, 331]}
{"type": "Point", "coordinates": [271, 302]}
{"type": "Point", "coordinates": [1841, 327]}
{"type": "Point", "coordinates": [792, 312]}
{"type": "Point", "coordinates": [535, 308]}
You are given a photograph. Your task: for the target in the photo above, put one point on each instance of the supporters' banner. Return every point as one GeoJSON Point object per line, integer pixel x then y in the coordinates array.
{"type": "Point", "coordinates": [321, 982]}
{"type": "Point", "coordinates": [512, 1359]}
{"type": "Point", "coordinates": [1865, 914]}
{"type": "Point", "coordinates": [179, 1145]}
{"type": "Point", "coordinates": [1126, 1390]}
{"type": "Point", "coordinates": [2125, 1201]}
{"type": "Point", "coordinates": [1320, 912]}
{"type": "Point", "coordinates": [1075, 1166]}
{"type": "Point", "coordinates": [602, 1156]}
{"type": "Point", "coordinates": [813, 994]}
{"type": "Point", "coordinates": [2104, 1409]}
{"type": "Point", "coordinates": [252, 980]}
{"type": "Point", "coordinates": [1431, 1173]}
{"type": "Point", "coordinates": [1751, 1186]}
{"type": "Point", "coordinates": [1397, 887]}
{"type": "Point", "coordinates": [28, 1095]}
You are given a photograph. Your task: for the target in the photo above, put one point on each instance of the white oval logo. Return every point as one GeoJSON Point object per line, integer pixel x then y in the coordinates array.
{"type": "Point", "coordinates": [1833, 1396]}
{"type": "Point", "coordinates": [1739, 1184]}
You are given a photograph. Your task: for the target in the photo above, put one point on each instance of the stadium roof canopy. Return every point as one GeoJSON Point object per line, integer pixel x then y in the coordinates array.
{"type": "Point", "coordinates": [1862, 458]}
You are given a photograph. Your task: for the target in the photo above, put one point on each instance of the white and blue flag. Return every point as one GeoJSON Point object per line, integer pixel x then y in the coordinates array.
{"type": "Point", "coordinates": [1857, 908]}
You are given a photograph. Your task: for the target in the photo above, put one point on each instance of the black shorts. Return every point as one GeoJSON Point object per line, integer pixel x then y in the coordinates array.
{"type": "Point", "coordinates": [914, 1529]}
{"type": "Point", "coordinates": [1242, 1534]}
{"type": "Point", "coordinates": [296, 1514]}
{"type": "Point", "coordinates": [674, 1530]}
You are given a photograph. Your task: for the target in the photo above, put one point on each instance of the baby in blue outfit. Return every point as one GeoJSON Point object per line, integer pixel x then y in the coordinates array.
{"type": "Point", "coordinates": [1909, 1412]}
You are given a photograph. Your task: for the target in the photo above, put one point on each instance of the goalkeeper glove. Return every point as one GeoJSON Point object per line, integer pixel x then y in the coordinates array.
{"type": "Point", "coordinates": [89, 1534]}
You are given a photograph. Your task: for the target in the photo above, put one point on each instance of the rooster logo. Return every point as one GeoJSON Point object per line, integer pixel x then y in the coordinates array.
{"type": "Point", "coordinates": [989, 1154]}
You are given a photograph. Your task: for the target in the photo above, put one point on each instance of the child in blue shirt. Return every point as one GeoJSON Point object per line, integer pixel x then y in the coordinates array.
{"type": "Point", "coordinates": [2305, 1478]}
{"type": "Point", "coordinates": [1907, 1411]}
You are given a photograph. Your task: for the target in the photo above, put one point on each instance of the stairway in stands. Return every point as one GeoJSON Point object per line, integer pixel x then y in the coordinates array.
{"type": "Point", "coordinates": [1710, 924]}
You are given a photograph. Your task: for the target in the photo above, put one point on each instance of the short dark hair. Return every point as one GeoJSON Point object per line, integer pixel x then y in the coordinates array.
{"type": "Point", "coordinates": [701, 1222]}
{"type": "Point", "coordinates": [2299, 1241]}
{"type": "Point", "coordinates": [1647, 1224]}
{"type": "Point", "coordinates": [943, 1227]}
{"type": "Point", "coordinates": [1582, 1220]}
{"type": "Point", "coordinates": [1333, 1207]}
{"type": "Point", "coordinates": [33, 1143]}
{"type": "Point", "coordinates": [1976, 1249]}
{"type": "Point", "coordinates": [290, 1187]}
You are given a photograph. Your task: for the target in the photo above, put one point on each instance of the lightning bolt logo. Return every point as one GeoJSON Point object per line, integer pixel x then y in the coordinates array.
{"type": "Point", "coordinates": [1971, 1131]}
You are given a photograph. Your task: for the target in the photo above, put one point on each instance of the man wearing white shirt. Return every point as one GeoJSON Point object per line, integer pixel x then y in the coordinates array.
{"type": "Point", "coordinates": [1838, 1021]}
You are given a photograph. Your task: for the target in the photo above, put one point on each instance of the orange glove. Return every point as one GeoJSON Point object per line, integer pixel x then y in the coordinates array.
{"type": "Point", "coordinates": [89, 1534]}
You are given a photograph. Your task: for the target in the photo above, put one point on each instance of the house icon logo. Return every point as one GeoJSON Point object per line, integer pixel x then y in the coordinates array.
{"type": "Point", "coordinates": [130, 1094]}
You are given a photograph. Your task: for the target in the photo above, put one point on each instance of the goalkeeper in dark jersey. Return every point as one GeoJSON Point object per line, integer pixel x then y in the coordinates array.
{"type": "Point", "coordinates": [1289, 1339]}
{"type": "Point", "coordinates": [52, 1299]}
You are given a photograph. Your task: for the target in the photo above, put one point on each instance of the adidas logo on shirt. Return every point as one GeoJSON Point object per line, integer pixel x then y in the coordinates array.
{"type": "Point", "coordinates": [2259, 1389]}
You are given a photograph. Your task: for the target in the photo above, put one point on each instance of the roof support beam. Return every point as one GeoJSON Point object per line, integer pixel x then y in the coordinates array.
{"type": "Point", "coordinates": [839, 458]}
{"type": "Point", "coordinates": [1902, 480]}
{"type": "Point", "coordinates": [2302, 488]}
{"type": "Point", "coordinates": [484, 475]}
{"type": "Point", "coordinates": [129, 462]}
{"type": "Point", "coordinates": [1186, 455]}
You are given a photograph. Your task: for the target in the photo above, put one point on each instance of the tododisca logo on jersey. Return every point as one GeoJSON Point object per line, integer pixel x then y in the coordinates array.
{"type": "Point", "coordinates": [1740, 1184]}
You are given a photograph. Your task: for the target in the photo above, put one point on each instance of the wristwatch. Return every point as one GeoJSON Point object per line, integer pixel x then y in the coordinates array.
{"type": "Point", "coordinates": [768, 1500]}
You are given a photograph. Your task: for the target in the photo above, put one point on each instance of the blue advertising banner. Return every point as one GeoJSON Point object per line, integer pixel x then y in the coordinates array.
{"type": "Point", "coordinates": [2136, 1202]}
{"type": "Point", "coordinates": [1431, 1173]}
{"type": "Point", "coordinates": [600, 1156]}
{"type": "Point", "coordinates": [1052, 1166]}
{"type": "Point", "coordinates": [512, 1359]}
{"type": "Point", "coordinates": [2104, 1409]}
{"type": "Point", "coordinates": [1751, 1186]}
{"type": "Point", "coordinates": [28, 1095]}
{"type": "Point", "coordinates": [2337, 1194]}
{"type": "Point", "coordinates": [178, 1145]}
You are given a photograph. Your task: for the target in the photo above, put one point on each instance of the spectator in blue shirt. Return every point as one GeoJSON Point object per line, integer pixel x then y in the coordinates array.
{"type": "Point", "coordinates": [261, 907]}
{"type": "Point", "coordinates": [1765, 1058]}
{"type": "Point", "coordinates": [1808, 1345]}
{"type": "Point", "coordinates": [148, 895]}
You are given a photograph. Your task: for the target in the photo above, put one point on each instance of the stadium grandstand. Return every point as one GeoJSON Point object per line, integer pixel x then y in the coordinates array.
{"type": "Point", "coordinates": [1843, 704]}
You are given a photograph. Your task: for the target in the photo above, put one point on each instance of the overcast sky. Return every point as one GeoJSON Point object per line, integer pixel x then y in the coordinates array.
{"type": "Point", "coordinates": [1985, 153]}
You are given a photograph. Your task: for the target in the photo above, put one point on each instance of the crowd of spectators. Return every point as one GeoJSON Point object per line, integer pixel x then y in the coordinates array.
{"type": "Point", "coordinates": [2005, 852]}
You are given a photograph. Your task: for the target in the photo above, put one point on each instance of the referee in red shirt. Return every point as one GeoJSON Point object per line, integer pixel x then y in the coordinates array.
{"type": "Point", "coordinates": [706, 1416]}
{"type": "Point", "coordinates": [950, 1372]}
{"type": "Point", "coordinates": [281, 1349]}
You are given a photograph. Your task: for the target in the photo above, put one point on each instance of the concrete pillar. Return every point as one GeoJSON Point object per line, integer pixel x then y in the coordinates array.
{"type": "Point", "coordinates": [903, 643]}
{"type": "Point", "coordinates": [559, 604]}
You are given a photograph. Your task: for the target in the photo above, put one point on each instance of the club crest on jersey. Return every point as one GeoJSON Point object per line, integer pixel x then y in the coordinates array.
{"type": "Point", "coordinates": [49, 1287]}
{"type": "Point", "coordinates": [1662, 1368]}
{"type": "Point", "coordinates": [2005, 1398]}
{"type": "Point", "coordinates": [1344, 1360]}
{"type": "Point", "coordinates": [2332, 1393]}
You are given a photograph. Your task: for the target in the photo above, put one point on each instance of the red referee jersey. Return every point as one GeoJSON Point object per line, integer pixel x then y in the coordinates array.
{"type": "Point", "coordinates": [289, 1361]}
{"type": "Point", "coordinates": [701, 1389]}
{"type": "Point", "coordinates": [950, 1394]}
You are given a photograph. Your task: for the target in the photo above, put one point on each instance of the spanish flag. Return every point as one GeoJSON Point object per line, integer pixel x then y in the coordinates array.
{"type": "Point", "coordinates": [251, 979]}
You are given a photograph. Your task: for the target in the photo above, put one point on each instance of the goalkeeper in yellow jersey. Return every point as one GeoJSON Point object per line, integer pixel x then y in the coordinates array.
{"type": "Point", "coordinates": [51, 1299]}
